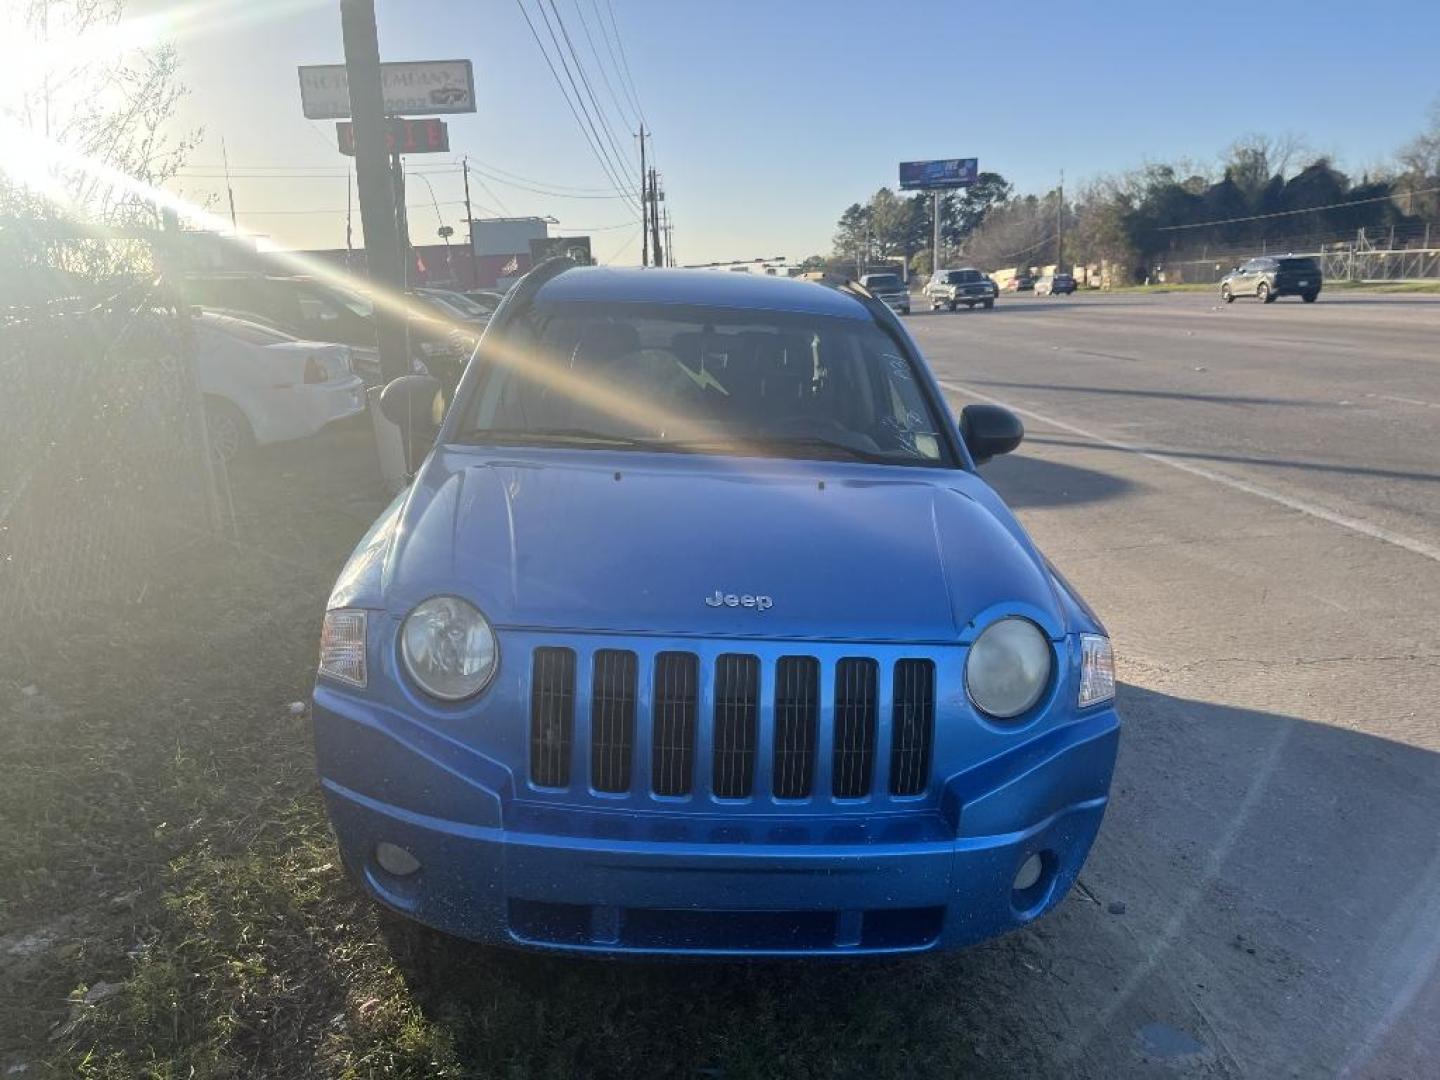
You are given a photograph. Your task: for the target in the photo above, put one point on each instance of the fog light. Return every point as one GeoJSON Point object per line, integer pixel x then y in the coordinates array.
{"type": "Point", "coordinates": [1029, 873]}
{"type": "Point", "coordinates": [394, 859]}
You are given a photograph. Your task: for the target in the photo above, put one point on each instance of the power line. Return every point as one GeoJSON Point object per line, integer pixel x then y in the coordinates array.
{"type": "Point", "coordinates": [625, 60]}
{"type": "Point", "coordinates": [595, 150]}
{"type": "Point", "coordinates": [1288, 213]}
{"type": "Point", "coordinates": [600, 65]}
{"type": "Point", "coordinates": [590, 90]}
{"type": "Point", "coordinates": [617, 161]}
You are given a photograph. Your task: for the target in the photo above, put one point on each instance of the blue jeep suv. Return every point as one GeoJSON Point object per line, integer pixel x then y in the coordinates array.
{"type": "Point", "coordinates": [697, 632]}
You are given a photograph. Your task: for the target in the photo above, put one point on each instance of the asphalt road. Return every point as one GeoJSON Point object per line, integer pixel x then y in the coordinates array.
{"type": "Point", "coordinates": [1250, 498]}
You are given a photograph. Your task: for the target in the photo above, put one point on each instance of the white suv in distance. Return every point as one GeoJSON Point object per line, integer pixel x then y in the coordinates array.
{"type": "Point", "coordinates": [951, 288]}
{"type": "Point", "coordinates": [890, 289]}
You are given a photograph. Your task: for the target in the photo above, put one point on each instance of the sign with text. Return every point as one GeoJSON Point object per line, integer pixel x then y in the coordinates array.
{"type": "Point", "coordinates": [417, 87]}
{"type": "Point", "coordinates": [945, 173]}
{"type": "Point", "coordinates": [402, 136]}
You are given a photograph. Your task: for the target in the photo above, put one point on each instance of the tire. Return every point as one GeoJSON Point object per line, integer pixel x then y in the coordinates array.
{"type": "Point", "coordinates": [227, 431]}
{"type": "Point", "coordinates": [1263, 293]}
{"type": "Point", "coordinates": [1226, 294]}
{"type": "Point", "coordinates": [953, 305]}
{"type": "Point", "coordinates": [1310, 297]}
{"type": "Point", "coordinates": [989, 304]}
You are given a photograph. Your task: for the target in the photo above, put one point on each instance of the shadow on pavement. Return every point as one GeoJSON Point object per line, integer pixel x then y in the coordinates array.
{"type": "Point", "coordinates": [1263, 900]}
{"type": "Point", "coordinates": [1169, 395]}
{"type": "Point", "coordinates": [1240, 459]}
{"type": "Point", "coordinates": [1029, 482]}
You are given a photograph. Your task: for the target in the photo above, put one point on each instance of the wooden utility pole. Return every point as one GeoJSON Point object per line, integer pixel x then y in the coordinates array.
{"type": "Point", "coordinates": [644, 206]}
{"type": "Point", "coordinates": [470, 226]}
{"type": "Point", "coordinates": [1060, 225]}
{"type": "Point", "coordinates": [655, 219]}
{"type": "Point", "coordinates": [372, 174]}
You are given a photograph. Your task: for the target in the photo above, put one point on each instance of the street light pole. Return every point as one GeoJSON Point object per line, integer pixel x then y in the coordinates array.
{"type": "Point", "coordinates": [372, 174]}
{"type": "Point", "coordinates": [935, 220]}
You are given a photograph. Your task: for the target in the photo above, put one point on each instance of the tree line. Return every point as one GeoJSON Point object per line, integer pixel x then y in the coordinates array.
{"type": "Point", "coordinates": [1264, 192]}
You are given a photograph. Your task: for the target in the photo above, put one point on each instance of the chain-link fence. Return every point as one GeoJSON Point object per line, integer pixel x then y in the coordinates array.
{"type": "Point", "coordinates": [1402, 253]}
{"type": "Point", "coordinates": [103, 467]}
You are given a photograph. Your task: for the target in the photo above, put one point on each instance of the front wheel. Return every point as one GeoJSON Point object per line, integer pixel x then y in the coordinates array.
{"type": "Point", "coordinates": [227, 430]}
{"type": "Point", "coordinates": [1310, 297]}
{"type": "Point", "coordinates": [989, 304]}
{"type": "Point", "coordinates": [1226, 294]}
{"type": "Point", "coordinates": [1263, 293]}
{"type": "Point", "coordinates": [952, 305]}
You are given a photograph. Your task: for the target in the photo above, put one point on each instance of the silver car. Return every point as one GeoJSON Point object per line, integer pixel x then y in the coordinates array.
{"type": "Point", "coordinates": [890, 289]}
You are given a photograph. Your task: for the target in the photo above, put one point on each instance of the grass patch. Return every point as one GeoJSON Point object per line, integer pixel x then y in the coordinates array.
{"type": "Point", "coordinates": [172, 904]}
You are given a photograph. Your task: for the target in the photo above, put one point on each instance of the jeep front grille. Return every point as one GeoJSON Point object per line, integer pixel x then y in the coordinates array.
{"type": "Point", "coordinates": [854, 727]}
{"type": "Point", "coordinates": [912, 727]}
{"type": "Point", "coordinates": [552, 716]}
{"type": "Point", "coordinates": [737, 699]}
{"type": "Point", "coordinates": [673, 738]}
{"type": "Point", "coordinates": [612, 720]}
{"type": "Point", "coordinates": [735, 727]}
{"type": "Point", "coordinates": [797, 716]}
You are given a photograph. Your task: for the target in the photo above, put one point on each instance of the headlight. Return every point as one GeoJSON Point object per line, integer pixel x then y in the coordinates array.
{"type": "Point", "coordinates": [342, 646]}
{"type": "Point", "coordinates": [448, 648]}
{"type": "Point", "coordinates": [1097, 670]}
{"type": "Point", "coordinates": [1008, 668]}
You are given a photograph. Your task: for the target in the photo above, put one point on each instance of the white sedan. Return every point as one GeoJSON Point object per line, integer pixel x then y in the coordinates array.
{"type": "Point", "coordinates": [261, 385]}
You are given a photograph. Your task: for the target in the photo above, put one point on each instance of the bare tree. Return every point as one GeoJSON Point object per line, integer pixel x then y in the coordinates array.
{"type": "Point", "coordinates": [110, 107]}
{"type": "Point", "coordinates": [1252, 160]}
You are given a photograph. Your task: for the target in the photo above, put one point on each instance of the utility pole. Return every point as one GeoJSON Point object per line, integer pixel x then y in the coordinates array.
{"type": "Point", "coordinates": [1060, 226]}
{"type": "Point", "coordinates": [644, 206]}
{"type": "Point", "coordinates": [655, 218]}
{"type": "Point", "coordinates": [229, 191]}
{"type": "Point", "coordinates": [935, 219]}
{"type": "Point", "coordinates": [402, 220]}
{"type": "Point", "coordinates": [470, 226]}
{"type": "Point", "coordinates": [372, 173]}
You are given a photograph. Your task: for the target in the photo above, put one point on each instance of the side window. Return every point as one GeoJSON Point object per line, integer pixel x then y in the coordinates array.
{"type": "Point", "coordinates": [316, 309]}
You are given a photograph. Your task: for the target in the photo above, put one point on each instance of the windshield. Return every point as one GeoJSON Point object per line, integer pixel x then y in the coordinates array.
{"type": "Point", "coordinates": [962, 277]}
{"type": "Point", "coordinates": [884, 281]}
{"type": "Point", "coordinates": [458, 302]}
{"type": "Point", "coordinates": [706, 381]}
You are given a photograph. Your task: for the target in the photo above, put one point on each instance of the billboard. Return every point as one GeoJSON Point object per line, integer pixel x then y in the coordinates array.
{"type": "Point", "coordinates": [945, 173]}
{"type": "Point", "coordinates": [416, 87]}
{"type": "Point", "coordinates": [429, 136]}
{"type": "Point", "coordinates": [575, 248]}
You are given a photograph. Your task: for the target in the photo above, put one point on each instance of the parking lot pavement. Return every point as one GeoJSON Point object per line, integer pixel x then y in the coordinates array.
{"type": "Point", "coordinates": [1250, 497]}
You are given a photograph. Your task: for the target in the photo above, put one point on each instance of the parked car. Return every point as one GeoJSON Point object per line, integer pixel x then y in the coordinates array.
{"type": "Point", "coordinates": [261, 385]}
{"type": "Point", "coordinates": [890, 289]}
{"type": "Point", "coordinates": [314, 310]}
{"type": "Point", "coordinates": [1270, 277]}
{"type": "Point", "coordinates": [951, 288]}
{"type": "Point", "coordinates": [1050, 284]}
{"type": "Point", "coordinates": [698, 632]}
{"type": "Point", "coordinates": [1020, 283]}
{"type": "Point", "coordinates": [486, 298]}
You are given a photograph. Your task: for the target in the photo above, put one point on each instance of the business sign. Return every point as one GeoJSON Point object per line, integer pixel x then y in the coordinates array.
{"type": "Point", "coordinates": [946, 173]}
{"type": "Point", "coordinates": [402, 136]}
{"type": "Point", "coordinates": [575, 248]}
{"type": "Point", "coordinates": [414, 87]}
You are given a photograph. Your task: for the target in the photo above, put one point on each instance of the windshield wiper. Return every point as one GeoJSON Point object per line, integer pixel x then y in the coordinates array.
{"type": "Point", "coordinates": [559, 436]}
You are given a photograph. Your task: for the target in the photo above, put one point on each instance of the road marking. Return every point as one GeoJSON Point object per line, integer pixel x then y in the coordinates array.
{"type": "Point", "coordinates": [1358, 525]}
{"type": "Point", "coordinates": [1406, 400]}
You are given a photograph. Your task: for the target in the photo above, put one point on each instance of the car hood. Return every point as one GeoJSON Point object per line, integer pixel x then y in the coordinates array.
{"type": "Point", "coordinates": [660, 543]}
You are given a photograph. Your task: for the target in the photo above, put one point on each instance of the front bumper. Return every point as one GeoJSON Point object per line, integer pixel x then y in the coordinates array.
{"type": "Point", "coordinates": [501, 870]}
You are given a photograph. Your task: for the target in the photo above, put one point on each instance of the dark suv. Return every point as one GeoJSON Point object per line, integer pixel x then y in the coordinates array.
{"type": "Point", "coordinates": [1270, 277]}
{"type": "Point", "coordinates": [951, 288]}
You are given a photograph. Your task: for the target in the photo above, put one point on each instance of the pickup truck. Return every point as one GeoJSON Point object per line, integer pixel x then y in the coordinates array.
{"type": "Point", "coordinates": [951, 288]}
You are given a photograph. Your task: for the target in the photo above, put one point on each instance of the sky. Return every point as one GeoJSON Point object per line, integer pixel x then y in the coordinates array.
{"type": "Point", "coordinates": [769, 118]}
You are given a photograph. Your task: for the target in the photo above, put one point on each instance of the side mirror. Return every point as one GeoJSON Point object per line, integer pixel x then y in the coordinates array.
{"type": "Point", "coordinates": [989, 430]}
{"type": "Point", "coordinates": [413, 404]}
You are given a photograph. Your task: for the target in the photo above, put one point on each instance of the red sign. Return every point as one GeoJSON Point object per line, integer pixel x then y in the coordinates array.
{"type": "Point", "coordinates": [430, 136]}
